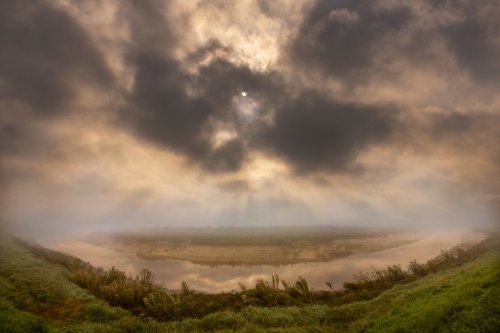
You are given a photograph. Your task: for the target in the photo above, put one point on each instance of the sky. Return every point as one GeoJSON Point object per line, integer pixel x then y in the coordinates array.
{"type": "Point", "coordinates": [137, 114]}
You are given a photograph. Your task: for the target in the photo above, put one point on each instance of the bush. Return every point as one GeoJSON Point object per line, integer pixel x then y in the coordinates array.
{"type": "Point", "coordinates": [417, 269]}
{"type": "Point", "coordinates": [161, 305]}
{"type": "Point", "coordinates": [265, 295]}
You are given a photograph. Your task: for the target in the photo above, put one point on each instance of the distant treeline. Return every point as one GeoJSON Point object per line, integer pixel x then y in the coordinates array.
{"type": "Point", "coordinates": [143, 296]}
{"type": "Point", "coordinates": [249, 235]}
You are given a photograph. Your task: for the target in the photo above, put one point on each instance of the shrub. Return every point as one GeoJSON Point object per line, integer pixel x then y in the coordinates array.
{"type": "Point", "coordinates": [265, 295]}
{"type": "Point", "coordinates": [417, 269]}
{"type": "Point", "coordinates": [161, 305]}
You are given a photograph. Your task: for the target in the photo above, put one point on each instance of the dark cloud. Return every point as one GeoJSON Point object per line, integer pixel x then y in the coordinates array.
{"type": "Point", "coordinates": [314, 132]}
{"type": "Point", "coordinates": [45, 56]}
{"type": "Point", "coordinates": [310, 131]}
{"type": "Point", "coordinates": [356, 40]}
{"type": "Point", "coordinates": [183, 111]}
{"type": "Point", "coordinates": [161, 110]}
{"type": "Point", "coordinates": [341, 37]}
{"type": "Point", "coordinates": [474, 39]}
{"type": "Point", "coordinates": [182, 104]}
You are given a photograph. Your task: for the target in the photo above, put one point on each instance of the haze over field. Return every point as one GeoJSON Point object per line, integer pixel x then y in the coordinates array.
{"type": "Point", "coordinates": [138, 114]}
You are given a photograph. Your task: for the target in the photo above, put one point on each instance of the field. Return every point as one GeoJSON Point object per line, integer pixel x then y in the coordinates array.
{"type": "Point", "coordinates": [255, 246]}
{"type": "Point", "coordinates": [46, 291]}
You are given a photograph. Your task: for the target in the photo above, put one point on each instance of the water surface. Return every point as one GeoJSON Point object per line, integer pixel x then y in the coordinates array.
{"type": "Point", "coordinates": [225, 278]}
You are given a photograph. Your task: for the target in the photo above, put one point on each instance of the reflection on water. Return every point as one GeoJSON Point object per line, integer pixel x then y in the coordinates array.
{"type": "Point", "coordinates": [172, 272]}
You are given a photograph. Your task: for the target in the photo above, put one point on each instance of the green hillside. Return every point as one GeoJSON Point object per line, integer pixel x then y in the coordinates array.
{"type": "Point", "coordinates": [39, 293]}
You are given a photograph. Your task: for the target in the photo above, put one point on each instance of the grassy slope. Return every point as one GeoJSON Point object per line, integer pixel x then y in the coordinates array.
{"type": "Point", "coordinates": [463, 299]}
{"type": "Point", "coordinates": [36, 296]}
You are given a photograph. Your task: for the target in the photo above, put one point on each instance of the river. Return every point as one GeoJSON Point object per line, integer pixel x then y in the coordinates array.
{"type": "Point", "coordinates": [171, 273]}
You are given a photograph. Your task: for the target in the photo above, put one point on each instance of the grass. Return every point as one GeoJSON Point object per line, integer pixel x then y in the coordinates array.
{"type": "Point", "coordinates": [466, 299]}
{"type": "Point", "coordinates": [37, 294]}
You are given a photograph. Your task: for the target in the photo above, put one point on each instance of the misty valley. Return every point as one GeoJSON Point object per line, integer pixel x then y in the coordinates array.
{"type": "Point", "coordinates": [223, 258]}
{"type": "Point", "coordinates": [249, 166]}
{"type": "Point", "coordinates": [118, 289]}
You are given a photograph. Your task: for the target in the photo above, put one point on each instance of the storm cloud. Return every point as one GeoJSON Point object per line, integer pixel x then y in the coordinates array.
{"type": "Point", "coordinates": [45, 58]}
{"type": "Point", "coordinates": [184, 110]}
{"type": "Point", "coordinates": [360, 41]}
{"type": "Point", "coordinates": [474, 37]}
{"type": "Point", "coordinates": [343, 37]}
{"type": "Point", "coordinates": [180, 110]}
{"type": "Point", "coordinates": [315, 133]}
